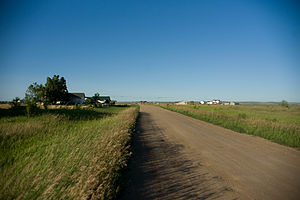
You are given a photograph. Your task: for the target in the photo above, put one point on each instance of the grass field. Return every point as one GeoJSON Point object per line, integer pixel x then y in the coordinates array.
{"type": "Point", "coordinates": [64, 153]}
{"type": "Point", "coordinates": [276, 123]}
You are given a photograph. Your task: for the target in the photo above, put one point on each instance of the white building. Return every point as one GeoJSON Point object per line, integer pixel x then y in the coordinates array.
{"type": "Point", "coordinates": [233, 103]}
{"type": "Point", "coordinates": [181, 103]}
{"type": "Point", "coordinates": [216, 101]}
{"type": "Point", "coordinates": [203, 102]}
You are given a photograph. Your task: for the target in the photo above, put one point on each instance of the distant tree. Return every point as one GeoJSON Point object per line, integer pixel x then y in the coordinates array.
{"type": "Point", "coordinates": [56, 89]}
{"type": "Point", "coordinates": [35, 94]}
{"type": "Point", "coordinates": [95, 99]}
{"type": "Point", "coordinates": [284, 103]}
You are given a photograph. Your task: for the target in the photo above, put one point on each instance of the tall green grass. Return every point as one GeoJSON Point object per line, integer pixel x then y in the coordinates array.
{"type": "Point", "coordinates": [64, 154]}
{"type": "Point", "coordinates": [275, 123]}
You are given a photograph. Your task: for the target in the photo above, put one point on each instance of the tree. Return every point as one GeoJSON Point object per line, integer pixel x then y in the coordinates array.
{"type": "Point", "coordinates": [35, 93]}
{"type": "Point", "coordinates": [96, 97]}
{"type": "Point", "coordinates": [56, 89]}
{"type": "Point", "coordinates": [284, 103]}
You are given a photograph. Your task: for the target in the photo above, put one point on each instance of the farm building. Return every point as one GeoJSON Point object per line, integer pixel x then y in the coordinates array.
{"type": "Point", "coordinates": [104, 99]}
{"type": "Point", "coordinates": [216, 101]}
{"type": "Point", "coordinates": [144, 102]}
{"type": "Point", "coordinates": [233, 103]}
{"type": "Point", "coordinates": [181, 103]}
{"type": "Point", "coordinates": [203, 102]}
{"type": "Point", "coordinates": [76, 98]}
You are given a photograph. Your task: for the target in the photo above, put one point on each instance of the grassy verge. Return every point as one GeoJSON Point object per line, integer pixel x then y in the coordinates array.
{"type": "Point", "coordinates": [64, 154]}
{"type": "Point", "coordinates": [275, 123]}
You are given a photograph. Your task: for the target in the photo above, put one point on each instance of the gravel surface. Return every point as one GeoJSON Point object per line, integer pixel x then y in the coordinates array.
{"type": "Point", "coordinates": [178, 157]}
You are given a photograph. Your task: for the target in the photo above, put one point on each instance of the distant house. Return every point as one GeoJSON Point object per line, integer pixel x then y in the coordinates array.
{"type": "Point", "coordinates": [181, 103]}
{"type": "Point", "coordinates": [216, 101]}
{"type": "Point", "coordinates": [144, 102]}
{"type": "Point", "coordinates": [104, 100]}
{"type": "Point", "coordinates": [76, 98]}
{"type": "Point", "coordinates": [203, 102]}
{"type": "Point", "coordinates": [233, 103]}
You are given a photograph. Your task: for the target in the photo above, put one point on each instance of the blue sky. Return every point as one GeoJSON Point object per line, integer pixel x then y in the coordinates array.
{"type": "Point", "coordinates": [153, 50]}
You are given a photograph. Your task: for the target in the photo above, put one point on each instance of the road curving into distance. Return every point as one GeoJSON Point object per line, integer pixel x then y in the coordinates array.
{"type": "Point", "coordinates": [178, 157]}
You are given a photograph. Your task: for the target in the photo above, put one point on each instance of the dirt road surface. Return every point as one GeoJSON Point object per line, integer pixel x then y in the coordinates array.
{"type": "Point", "coordinates": [178, 157]}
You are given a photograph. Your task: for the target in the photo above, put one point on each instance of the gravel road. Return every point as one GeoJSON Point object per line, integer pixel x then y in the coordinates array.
{"type": "Point", "coordinates": [178, 157]}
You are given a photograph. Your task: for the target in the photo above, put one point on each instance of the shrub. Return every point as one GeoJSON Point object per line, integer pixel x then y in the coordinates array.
{"type": "Point", "coordinates": [284, 103]}
{"type": "Point", "coordinates": [31, 109]}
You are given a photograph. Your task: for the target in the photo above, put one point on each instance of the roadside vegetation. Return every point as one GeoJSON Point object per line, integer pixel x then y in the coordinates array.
{"type": "Point", "coordinates": [280, 124]}
{"type": "Point", "coordinates": [64, 153]}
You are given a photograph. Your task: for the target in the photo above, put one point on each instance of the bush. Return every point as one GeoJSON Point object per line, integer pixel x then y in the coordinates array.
{"type": "Point", "coordinates": [31, 109]}
{"type": "Point", "coordinates": [284, 103]}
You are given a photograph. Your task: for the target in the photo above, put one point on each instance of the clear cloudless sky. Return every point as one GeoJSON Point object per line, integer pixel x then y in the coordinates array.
{"type": "Point", "coordinates": [153, 50]}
